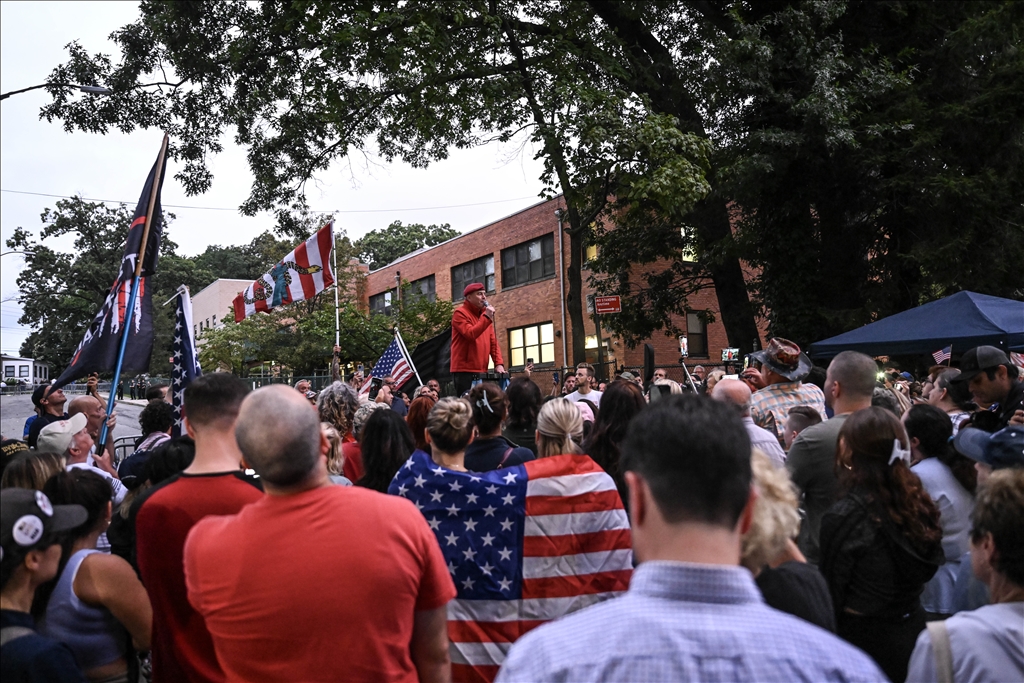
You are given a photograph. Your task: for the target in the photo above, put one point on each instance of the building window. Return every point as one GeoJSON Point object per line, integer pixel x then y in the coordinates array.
{"type": "Point", "coordinates": [8, 371]}
{"type": "Point", "coordinates": [23, 371]}
{"type": "Point", "coordinates": [423, 288]}
{"type": "Point", "coordinates": [688, 254]}
{"type": "Point", "coordinates": [536, 342]}
{"type": "Point", "coordinates": [479, 270]}
{"type": "Point", "coordinates": [696, 335]}
{"type": "Point", "coordinates": [528, 262]}
{"type": "Point", "coordinates": [607, 353]}
{"type": "Point", "coordinates": [381, 303]}
{"type": "Point", "coordinates": [590, 253]}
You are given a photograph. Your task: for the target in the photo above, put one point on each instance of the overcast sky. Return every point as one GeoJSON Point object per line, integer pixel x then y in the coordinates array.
{"type": "Point", "coordinates": [40, 157]}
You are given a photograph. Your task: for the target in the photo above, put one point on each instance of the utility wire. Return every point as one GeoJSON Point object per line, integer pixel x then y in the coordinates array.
{"type": "Point", "coordinates": [218, 208]}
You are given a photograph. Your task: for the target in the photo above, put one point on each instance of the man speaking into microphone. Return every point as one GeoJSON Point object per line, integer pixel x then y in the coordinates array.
{"type": "Point", "coordinates": [473, 338]}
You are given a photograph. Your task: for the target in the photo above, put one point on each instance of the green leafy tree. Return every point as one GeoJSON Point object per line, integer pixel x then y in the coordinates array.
{"type": "Point", "coordinates": [410, 81]}
{"type": "Point", "coordinates": [378, 248]}
{"type": "Point", "coordinates": [61, 292]}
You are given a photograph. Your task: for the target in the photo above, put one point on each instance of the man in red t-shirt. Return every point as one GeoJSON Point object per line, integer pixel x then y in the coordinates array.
{"type": "Point", "coordinates": [317, 582]}
{"type": "Point", "coordinates": [212, 485]}
{"type": "Point", "coordinates": [473, 338]}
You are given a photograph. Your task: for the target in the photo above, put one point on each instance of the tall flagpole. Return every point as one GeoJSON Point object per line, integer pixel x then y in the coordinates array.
{"type": "Point", "coordinates": [337, 318]}
{"type": "Point", "coordinates": [134, 293]}
{"type": "Point", "coordinates": [949, 361]}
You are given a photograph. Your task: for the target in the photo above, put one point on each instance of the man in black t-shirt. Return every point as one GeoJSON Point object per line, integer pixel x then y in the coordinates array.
{"type": "Point", "coordinates": [50, 401]}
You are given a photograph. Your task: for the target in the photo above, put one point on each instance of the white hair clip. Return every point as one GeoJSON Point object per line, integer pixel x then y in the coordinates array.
{"type": "Point", "coordinates": [899, 453]}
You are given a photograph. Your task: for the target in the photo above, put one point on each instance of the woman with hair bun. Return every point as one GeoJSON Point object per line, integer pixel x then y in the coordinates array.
{"type": "Point", "coordinates": [490, 450]}
{"type": "Point", "coordinates": [881, 542]}
{"type": "Point", "coordinates": [506, 534]}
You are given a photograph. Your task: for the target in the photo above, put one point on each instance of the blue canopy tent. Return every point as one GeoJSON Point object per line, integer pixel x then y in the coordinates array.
{"type": "Point", "coordinates": [965, 320]}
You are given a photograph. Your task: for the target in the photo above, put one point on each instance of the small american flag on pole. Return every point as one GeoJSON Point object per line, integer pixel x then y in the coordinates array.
{"type": "Point", "coordinates": [185, 359]}
{"type": "Point", "coordinates": [943, 355]}
{"type": "Point", "coordinates": [524, 545]}
{"type": "Point", "coordinates": [393, 363]}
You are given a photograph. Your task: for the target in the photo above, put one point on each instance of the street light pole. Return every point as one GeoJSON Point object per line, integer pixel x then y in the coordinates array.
{"type": "Point", "coordinates": [92, 89]}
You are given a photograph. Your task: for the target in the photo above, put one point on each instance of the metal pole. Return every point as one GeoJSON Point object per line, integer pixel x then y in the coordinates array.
{"type": "Point", "coordinates": [112, 397]}
{"type": "Point", "coordinates": [337, 318]}
{"type": "Point", "coordinates": [408, 356]}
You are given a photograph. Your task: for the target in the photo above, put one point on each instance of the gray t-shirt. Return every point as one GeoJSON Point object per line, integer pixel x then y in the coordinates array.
{"type": "Point", "coordinates": [812, 465]}
{"type": "Point", "coordinates": [594, 397]}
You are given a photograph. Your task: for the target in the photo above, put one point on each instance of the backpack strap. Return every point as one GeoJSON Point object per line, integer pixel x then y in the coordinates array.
{"type": "Point", "coordinates": [943, 652]}
{"type": "Point", "coordinates": [9, 633]}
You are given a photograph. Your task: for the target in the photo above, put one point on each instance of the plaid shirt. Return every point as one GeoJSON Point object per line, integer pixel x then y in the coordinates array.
{"type": "Point", "coordinates": [685, 622]}
{"type": "Point", "coordinates": [769, 407]}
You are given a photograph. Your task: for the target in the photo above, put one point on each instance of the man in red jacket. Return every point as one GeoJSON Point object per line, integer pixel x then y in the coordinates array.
{"type": "Point", "coordinates": [473, 338]}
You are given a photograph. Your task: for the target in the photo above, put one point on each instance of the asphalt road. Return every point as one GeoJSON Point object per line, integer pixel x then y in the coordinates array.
{"type": "Point", "coordinates": [14, 410]}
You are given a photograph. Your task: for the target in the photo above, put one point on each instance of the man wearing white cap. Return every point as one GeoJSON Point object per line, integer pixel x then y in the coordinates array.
{"type": "Point", "coordinates": [70, 438]}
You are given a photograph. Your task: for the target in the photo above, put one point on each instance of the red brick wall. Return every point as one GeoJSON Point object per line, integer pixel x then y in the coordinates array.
{"type": "Point", "coordinates": [539, 301]}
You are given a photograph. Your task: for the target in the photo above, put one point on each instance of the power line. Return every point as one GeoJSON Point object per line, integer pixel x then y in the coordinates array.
{"type": "Point", "coordinates": [220, 208]}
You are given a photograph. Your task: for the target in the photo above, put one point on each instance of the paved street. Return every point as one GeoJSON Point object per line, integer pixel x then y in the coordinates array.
{"type": "Point", "coordinates": [14, 410]}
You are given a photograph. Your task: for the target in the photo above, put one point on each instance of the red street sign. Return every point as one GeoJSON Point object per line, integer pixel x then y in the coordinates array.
{"type": "Point", "coordinates": [607, 304]}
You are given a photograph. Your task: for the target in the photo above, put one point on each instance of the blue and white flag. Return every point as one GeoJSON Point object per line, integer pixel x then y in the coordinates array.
{"type": "Point", "coordinates": [185, 359]}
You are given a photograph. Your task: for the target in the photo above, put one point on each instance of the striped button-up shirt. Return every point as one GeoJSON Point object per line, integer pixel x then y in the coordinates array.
{"type": "Point", "coordinates": [685, 622]}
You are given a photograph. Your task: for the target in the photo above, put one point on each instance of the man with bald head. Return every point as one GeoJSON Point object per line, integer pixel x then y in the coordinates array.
{"type": "Point", "coordinates": [95, 413]}
{"type": "Point", "coordinates": [316, 581]}
{"type": "Point", "coordinates": [214, 484]}
{"type": "Point", "coordinates": [738, 393]}
{"type": "Point", "coordinates": [849, 384]}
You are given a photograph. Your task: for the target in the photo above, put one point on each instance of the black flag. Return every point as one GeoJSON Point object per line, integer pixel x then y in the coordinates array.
{"type": "Point", "coordinates": [98, 349]}
{"type": "Point", "coordinates": [432, 359]}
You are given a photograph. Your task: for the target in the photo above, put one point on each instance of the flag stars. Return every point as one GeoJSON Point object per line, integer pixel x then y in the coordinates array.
{"type": "Point", "coordinates": [451, 568]}
{"type": "Point", "coordinates": [438, 470]}
{"type": "Point", "coordinates": [434, 523]}
{"type": "Point", "coordinates": [469, 553]}
{"type": "Point", "coordinates": [505, 584]}
{"type": "Point", "coordinates": [452, 538]}
{"type": "Point", "coordinates": [403, 489]}
{"type": "Point", "coordinates": [509, 499]}
{"type": "Point", "coordinates": [419, 481]}
{"type": "Point", "coordinates": [471, 498]}
{"type": "Point", "coordinates": [470, 525]}
{"type": "Point", "coordinates": [468, 584]}
{"type": "Point", "coordinates": [489, 511]}
{"type": "Point", "coordinates": [487, 539]}
{"type": "Point", "coordinates": [506, 554]}
{"type": "Point", "coordinates": [487, 568]}
{"type": "Point", "coordinates": [492, 489]}
{"type": "Point", "coordinates": [506, 525]}
{"type": "Point", "coordinates": [455, 486]}
{"type": "Point", "coordinates": [452, 511]}
{"type": "Point", "coordinates": [436, 496]}
{"type": "Point", "coordinates": [510, 478]}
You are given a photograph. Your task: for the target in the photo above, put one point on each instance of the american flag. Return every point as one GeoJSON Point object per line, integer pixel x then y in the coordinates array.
{"type": "Point", "coordinates": [392, 363]}
{"type": "Point", "coordinates": [185, 359]}
{"type": "Point", "coordinates": [942, 355]}
{"type": "Point", "coordinates": [524, 545]}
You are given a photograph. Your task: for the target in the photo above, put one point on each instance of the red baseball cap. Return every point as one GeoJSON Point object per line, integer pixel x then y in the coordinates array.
{"type": "Point", "coordinates": [472, 287]}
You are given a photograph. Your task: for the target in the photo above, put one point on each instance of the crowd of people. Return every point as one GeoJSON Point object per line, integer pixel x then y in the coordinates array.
{"type": "Point", "coordinates": [787, 523]}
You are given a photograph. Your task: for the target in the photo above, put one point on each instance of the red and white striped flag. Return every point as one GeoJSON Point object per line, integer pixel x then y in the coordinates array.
{"type": "Point", "coordinates": [942, 355]}
{"type": "Point", "coordinates": [393, 363]}
{"type": "Point", "coordinates": [524, 545]}
{"type": "Point", "coordinates": [302, 274]}
{"type": "Point", "coordinates": [1017, 359]}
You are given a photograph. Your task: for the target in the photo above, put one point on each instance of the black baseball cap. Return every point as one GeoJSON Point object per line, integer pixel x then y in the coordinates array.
{"type": "Point", "coordinates": [979, 359]}
{"type": "Point", "coordinates": [27, 516]}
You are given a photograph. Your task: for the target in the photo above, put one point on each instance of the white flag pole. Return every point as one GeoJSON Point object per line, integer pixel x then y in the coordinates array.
{"type": "Point", "coordinates": [408, 356]}
{"type": "Point", "coordinates": [337, 318]}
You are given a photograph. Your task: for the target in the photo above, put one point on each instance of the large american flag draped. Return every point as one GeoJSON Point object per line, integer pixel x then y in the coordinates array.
{"type": "Point", "coordinates": [524, 545]}
{"type": "Point", "coordinates": [185, 359]}
{"type": "Point", "coordinates": [392, 363]}
{"type": "Point", "coordinates": [302, 274]}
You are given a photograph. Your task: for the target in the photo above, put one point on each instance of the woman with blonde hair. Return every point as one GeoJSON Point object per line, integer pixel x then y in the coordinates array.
{"type": "Point", "coordinates": [559, 429]}
{"type": "Point", "coordinates": [31, 469]}
{"type": "Point", "coordinates": [781, 571]}
{"type": "Point", "coordinates": [335, 458]}
{"type": "Point", "coordinates": [449, 431]}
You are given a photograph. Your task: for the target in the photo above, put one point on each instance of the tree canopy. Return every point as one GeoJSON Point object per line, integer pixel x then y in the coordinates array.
{"type": "Point", "coordinates": [861, 156]}
{"type": "Point", "coordinates": [378, 248]}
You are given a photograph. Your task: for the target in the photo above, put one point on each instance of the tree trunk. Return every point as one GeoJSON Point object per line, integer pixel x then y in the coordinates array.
{"type": "Point", "coordinates": [574, 293]}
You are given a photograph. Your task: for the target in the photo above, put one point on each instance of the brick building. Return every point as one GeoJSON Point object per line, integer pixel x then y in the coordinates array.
{"type": "Point", "coordinates": [519, 259]}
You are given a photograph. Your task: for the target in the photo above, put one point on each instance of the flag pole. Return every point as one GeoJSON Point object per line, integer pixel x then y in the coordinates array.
{"type": "Point", "coordinates": [949, 361]}
{"type": "Point", "coordinates": [337, 316]}
{"type": "Point", "coordinates": [134, 294]}
{"type": "Point", "coordinates": [408, 356]}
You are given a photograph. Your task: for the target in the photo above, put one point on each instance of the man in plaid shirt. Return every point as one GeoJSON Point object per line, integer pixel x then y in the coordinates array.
{"type": "Point", "coordinates": [779, 386]}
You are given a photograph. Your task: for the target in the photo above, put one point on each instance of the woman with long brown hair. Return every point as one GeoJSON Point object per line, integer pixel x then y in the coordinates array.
{"type": "Point", "coordinates": [619, 405]}
{"type": "Point", "coordinates": [881, 542]}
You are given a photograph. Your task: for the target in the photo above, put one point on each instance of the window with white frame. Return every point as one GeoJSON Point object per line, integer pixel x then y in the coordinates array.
{"type": "Point", "coordinates": [533, 341]}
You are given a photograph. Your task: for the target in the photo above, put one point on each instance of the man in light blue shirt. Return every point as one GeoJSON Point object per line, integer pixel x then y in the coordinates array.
{"type": "Point", "coordinates": [691, 612]}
